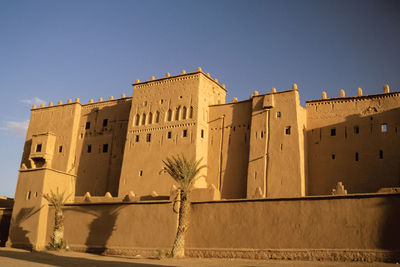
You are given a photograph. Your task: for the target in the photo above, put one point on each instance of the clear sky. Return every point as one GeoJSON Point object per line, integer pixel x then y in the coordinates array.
{"type": "Point", "coordinates": [55, 50]}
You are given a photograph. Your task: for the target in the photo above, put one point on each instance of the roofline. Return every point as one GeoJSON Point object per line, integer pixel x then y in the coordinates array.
{"type": "Point", "coordinates": [352, 97]}
{"type": "Point", "coordinates": [180, 75]}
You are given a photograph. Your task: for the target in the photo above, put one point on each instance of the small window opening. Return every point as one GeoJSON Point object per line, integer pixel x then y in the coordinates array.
{"type": "Point", "coordinates": [89, 148]}
{"type": "Point", "coordinates": [105, 148]}
{"type": "Point", "coordinates": [148, 137]}
{"type": "Point", "coordinates": [185, 133]}
{"type": "Point", "coordinates": [287, 130]}
{"type": "Point", "coordinates": [234, 128]}
{"type": "Point", "coordinates": [105, 122]}
{"type": "Point", "coordinates": [356, 129]}
{"type": "Point", "coordinates": [278, 114]}
{"type": "Point", "coordinates": [202, 133]}
{"type": "Point", "coordinates": [383, 127]}
{"type": "Point", "coordinates": [169, 135]}
{"type": "Point", "coordinates": [87, 126]}
{"type": "Point", "coordinates": [36, 194]}
{"type": "Point", "coordinates": [140, 173]}
{"type": "Point", "coordinates": [281, 147]}
{"type": "Point", "coordinates": [262, 134]}
{"type": "Point", "coordinates": [356, 156]}
{"type": "Point", "coordinates": [381, 154]}
{"type": "Point", "coordinates": [137, 138]}
{"type": "Point", "coordinates": [39, 148]}
{"type": "Point", "coordinates": [333, 156]}
{"type": "Point", "coordinates": [60, 149]}
{"type": "Point", "coordinates": [28, 195]}
{"type": "Point", "coordinates": [333, 132]}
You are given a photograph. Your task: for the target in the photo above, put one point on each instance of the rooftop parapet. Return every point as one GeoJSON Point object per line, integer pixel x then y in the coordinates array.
{"type": "Point", "coordinates": [360, 95]}
{"type": "Point", "coordinates": [77, 101]}
{"type": "Point", "coordinates": [183, 72]}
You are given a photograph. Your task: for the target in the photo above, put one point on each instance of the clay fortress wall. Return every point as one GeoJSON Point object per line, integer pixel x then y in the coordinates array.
{"type": "Point", "coordinates": [263, 149]}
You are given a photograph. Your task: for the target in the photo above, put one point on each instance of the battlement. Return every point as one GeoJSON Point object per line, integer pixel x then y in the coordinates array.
{"type": "Point", "coordinates": [343, 98]}
{"type": "Point", "coordinates": [77, 101]}
{"type": "Point", "coordinates": [182, 76]}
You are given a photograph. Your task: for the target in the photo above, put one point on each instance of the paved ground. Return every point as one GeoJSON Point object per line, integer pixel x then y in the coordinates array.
{"type": "Point", "coordinates": [22, 258]}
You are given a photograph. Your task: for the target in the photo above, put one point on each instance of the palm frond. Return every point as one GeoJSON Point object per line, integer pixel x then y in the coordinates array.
{"type": "Point", "coordinates": [183, 171]}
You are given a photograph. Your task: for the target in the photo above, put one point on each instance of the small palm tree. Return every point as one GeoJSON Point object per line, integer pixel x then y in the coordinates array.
{"type": "Point", "coordinates": [57, 200]}
{"type": "Point", "coordinates": [185, 172]}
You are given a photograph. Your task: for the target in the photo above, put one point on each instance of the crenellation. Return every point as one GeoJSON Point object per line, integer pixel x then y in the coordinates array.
{"type": "Point", "coordinates": [342, 93]}
{"type": "Point", "coordinates": [69, 101]}
{"type": "Point", "coordinates": [386, 89]}
{"type": "Point", "coordinates": [50, 104]}
{"type": "Point", "coordinates": [359, 92]}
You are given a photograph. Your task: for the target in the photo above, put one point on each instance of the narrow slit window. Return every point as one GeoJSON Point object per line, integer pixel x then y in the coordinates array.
{"type": "Point", "coordinates": [169, 135]}
{"type": "Point", "coordinates": [381, 154]}
{"type": "Point", "coordinates": [333, 132]}
{"type": "Point", "coordinates": [28, 195]}
{"type": "Point", "coordinates": [287, 130]}
{"type": "Point", "coordinates": [202, 133]}
{"type": "Point", "coordinates": [148, 137]}
{"type": "Point", "coordinates": [356, 156]}
{"type": "Point", "coordinates": [39, 148]}
{"type": "Point", "coordinates": [87, 126]}
{"type": "Point", "coordinates": [89, 148]}
{"type": "Point", "coordinates": [105, 148]}
{"type": "Point", "coordinates": [137, 138]}
{"type": "Point", "coordinates": [278, 114]}
{"type": "Point", "coordinates": [185, 133]}
{"type": "Point", "coordinates": [60, 149]}
{"type": "Point", "coordinates": [105, 122]}
{"type": "Point", "coordinates": [356, 129]}
{"type": "Point", "coordinates": [140, 173]}
{"type": "Point", "coordinates": [262, 134]}
{"type": "Point", "coordinates": [333, 156]}
{"type": "Point", "coordinates": [384, 127]}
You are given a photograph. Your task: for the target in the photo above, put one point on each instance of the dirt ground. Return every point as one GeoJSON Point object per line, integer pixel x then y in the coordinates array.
{"type": "Point", "coordinates": [22, 258]}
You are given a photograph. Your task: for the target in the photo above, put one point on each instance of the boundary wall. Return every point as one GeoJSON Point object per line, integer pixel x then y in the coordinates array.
{"type": "Point", "coordinates": [362, 227]}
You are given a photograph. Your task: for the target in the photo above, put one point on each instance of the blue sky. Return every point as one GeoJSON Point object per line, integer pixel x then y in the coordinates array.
{"type": "Point", "coordinates": [55, 50]}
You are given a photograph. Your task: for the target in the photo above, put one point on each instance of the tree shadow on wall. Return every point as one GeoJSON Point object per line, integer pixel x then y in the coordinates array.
{"type": "Point", "coordinates": [18, 235]}
{"type": "Point", "coordinates": [101, 228]}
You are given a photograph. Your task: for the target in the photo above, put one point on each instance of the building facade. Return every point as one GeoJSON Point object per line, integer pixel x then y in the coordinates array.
{"type": "Point", "coordinates": [268, 146]}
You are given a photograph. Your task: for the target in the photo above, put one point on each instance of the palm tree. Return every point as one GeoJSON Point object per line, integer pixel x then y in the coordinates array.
{"type": "Point", "coordinates": [185, 172]}
{"type": "Point", "coordinates": [57, 200]}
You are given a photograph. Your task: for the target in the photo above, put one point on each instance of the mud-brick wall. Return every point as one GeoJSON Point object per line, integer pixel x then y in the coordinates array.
{"type": "Point", "coordinates": [333, 225]}
{"type": "Point", "coordinates": [5, 217]}
{"type": "Point", "coordinates": [348, 222]}
{"type": "Point", "coordinates": [126, 228]}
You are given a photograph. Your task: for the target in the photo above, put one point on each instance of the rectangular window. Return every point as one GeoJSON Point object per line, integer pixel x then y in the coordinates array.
{"type": "Point", "coordinates": [169, 135]}
{"type": "Point", "coordinates": [383, 127]}
{"type": "Point", "coordinates": [333, 156]}
{"type": "Point", "coordinates": [148, 137]}
{"type": "Point", "coordinates": [202, 133]}
{"type": "Point", "coordinates": [87, 126]}
{"type": "Point", "coordinates": [381, 154]}
{"type": "Point", "coordinates": [278, 114]}
{"type": "Point", "coordinates": [333, 132]}
{"type": "Point", "coordinates": [89, 149]}
{"type": "Point", "coordinates": [105, 148]}
{"type": "Point", "coordinates": [287, 130]}
{"type": "Point", "coordinates": [356, 129]}
{"type": "Point", "coordinates": [60, 149]}
{"type": "Point", "coordinates": [137, 138]}
{"type": "Point", "coordinates": [105, 123]}
{"type": "Point", "coordinates": [356, 156]}
{"type": "Point", "coordinates": [140, 173]}
{"type": "Point", "coordinates": [184, 133]}
{"type": "Point", "coordinates": [39, 148]}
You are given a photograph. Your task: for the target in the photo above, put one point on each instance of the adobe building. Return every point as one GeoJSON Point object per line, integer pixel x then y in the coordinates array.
{"type": "Point", "coordinates": [268, 146]}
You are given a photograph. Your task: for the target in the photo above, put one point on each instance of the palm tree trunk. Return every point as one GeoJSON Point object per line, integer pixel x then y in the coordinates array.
{"type": "Point", "coordinates": [58, 233]}
{"type": "Point", "coordinates": [178, 249]}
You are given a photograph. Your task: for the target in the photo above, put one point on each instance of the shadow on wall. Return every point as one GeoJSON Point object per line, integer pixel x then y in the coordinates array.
{"type": "Point", "coordinates": [4, 227]}
{"type": "Point", "coordinates": [102, 227]}
{"type": "Point", "coordinates": [18, 235]}
{"type": "Point", "coordinates": [361, 152]}
{"type": "Point", "coordinates": [56, 260]}
{"type": "Point", "coordinates": [389, 230]}
{"type": "Point", "coordinates": [102, 150]}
